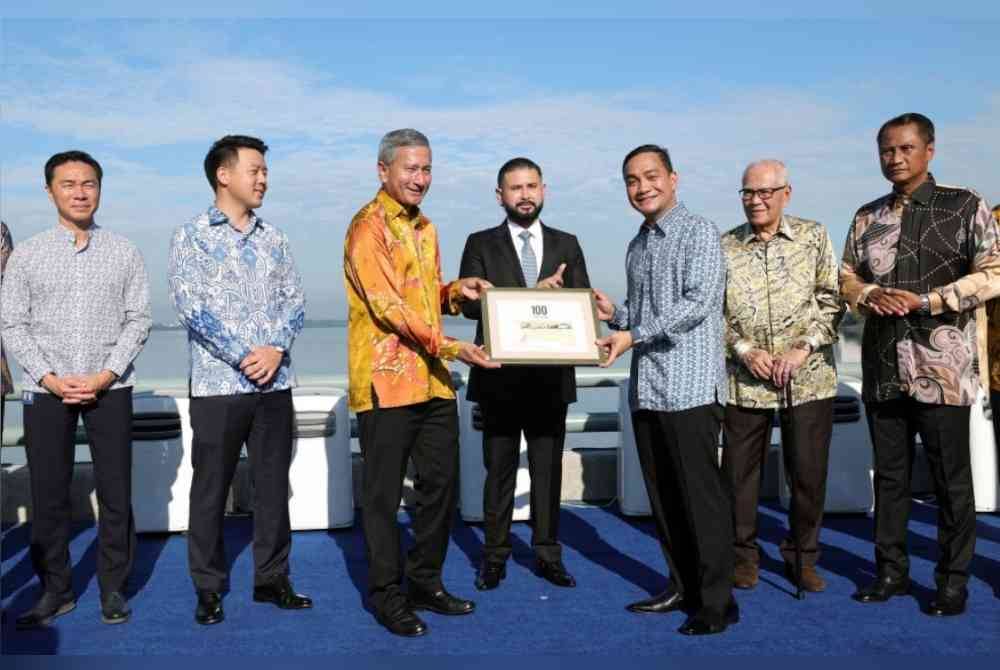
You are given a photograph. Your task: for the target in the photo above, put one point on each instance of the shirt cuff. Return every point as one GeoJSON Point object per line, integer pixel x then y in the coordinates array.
{"type": "Point", "coordinates": [863, 297]}
{"type": "Point", "coordinates": [455, 298]}
{"type": "Point", "coordinates": [116, 367]}
{"type": "Point", "coordinates": [449, 348]}
{"type": "Point", "coordinates": [810, 340]}
{"type": "Point", "coordinates": [742, 347]}
{"type": "Point", "coordinates": [37, 370]}
{"type": "Point", "coordinates": [937, 302]}
{"type": "Point", "coordinates": [281, 339]}
{"type": "Point", "coordinates": [619, 320]}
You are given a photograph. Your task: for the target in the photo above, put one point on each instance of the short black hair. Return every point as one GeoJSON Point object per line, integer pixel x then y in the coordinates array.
{"type": "Point", "coordinates": [650, 149]}
{"type": "Point", "coordinates": [73, 156]}
{"type": "Point", "coordinates": [925, 127]}
{"type": "Point", "coordinates": [226, 151]}
{"type": "Point", "coordinates": [519, 163]}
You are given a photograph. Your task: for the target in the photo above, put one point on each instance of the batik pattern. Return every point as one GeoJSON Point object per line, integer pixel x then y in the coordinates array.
{"type": "Point", "coordinates": [234, 291]}
{"type": "Point", "coordinates": [993, 338]}
{"type": "Point", "coordinates": [779, 293]}
{"type": "Point", "coordinates": [676, 280]}
{"type": "Point", "coordinates": [395, 298]}
{"type": "Point", "coordinates": [941, 241]}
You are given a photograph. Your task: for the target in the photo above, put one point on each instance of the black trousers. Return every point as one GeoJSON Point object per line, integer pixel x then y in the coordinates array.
{"type": "Point", "coordinates": [49, 429]}
{"type": "Point", "coordinates": [805, 445]}
{"type": "Point", "coordinates": [944, 431]}
{"type": "Point", "coordinates": [690, 501]}
{"type": "Point", "coordinates": [428, 433]}
{"type": "Point", "coordinates": [221, 426]}
{"type": "Point", "coordinates": [544, 427]}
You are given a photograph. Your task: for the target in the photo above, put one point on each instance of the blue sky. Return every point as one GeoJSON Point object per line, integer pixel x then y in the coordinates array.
{"type": "Point", "coordinates": [147, 98]}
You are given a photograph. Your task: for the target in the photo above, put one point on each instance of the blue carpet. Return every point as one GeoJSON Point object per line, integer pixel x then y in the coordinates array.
{"type": "Point", "coordinates": [615, 560]}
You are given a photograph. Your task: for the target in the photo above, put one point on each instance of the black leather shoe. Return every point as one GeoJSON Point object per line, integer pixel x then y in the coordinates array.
{"type": "Point", "coordinates": [490, 575]}
{"type": "Point", "coordinates": [402, 622]}
{"type": "Point", "coordinates": [668, 601]}
{"type": "Point", "coordinates": [882, 589]}
{"type": "Point", "coordinates": [48, 607]}
{"type": "Point", "coordinates": [114, 609]}
{"type": "Point", "coordinates": [700, 624]}
{"type": "Point", "coordinates": [948, 602]}
{"type": "Point", "coordinates": [439, 601]}
{"type": "Point", "coordinates": [281, 593]}
{"type": "Point", "coordinates": [555, 572]}
{"type": "Point", "coordinates": [209, 610]}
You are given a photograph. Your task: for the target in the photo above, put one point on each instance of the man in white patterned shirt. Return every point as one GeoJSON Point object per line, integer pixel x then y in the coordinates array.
{"type": "Point", "coordinates": [6, 246]}
{"type": "Point", "coordinates": [75, 314]}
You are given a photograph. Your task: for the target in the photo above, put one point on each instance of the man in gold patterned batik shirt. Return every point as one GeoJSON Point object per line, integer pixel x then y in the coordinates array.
{"type": "Point", "coordinates": [919, 263]}
{"type": "Point", "coordinates": [782, 311]}
{"type": "Point", "coordinates": [400, 387]}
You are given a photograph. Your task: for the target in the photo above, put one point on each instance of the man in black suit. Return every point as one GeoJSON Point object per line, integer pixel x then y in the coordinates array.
{"type": "Point", "coordinates": [516, 398]}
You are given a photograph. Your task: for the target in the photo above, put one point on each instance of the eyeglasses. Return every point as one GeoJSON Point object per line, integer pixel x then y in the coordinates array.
{"type": "Point", "coordinates": [764, 193]}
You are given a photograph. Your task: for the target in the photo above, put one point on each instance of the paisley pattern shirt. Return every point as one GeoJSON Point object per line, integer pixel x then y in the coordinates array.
{"type": "Point", "coordinates": [395, 297]}
{"type": "Point", "coordinates": [993, 332]}
{"type": "Point", "coordinates": [676, 280]}
{"type": "Point", "coordinates": [941, 241]}
{"type": "Point", "coordinates": [6, 246]}
{"type": "Point", "coordinates": [73, 311]}
{"type": "Point", "coordinates": [234, 291]}
{"type": "Point", "coordinates": [779, 293]}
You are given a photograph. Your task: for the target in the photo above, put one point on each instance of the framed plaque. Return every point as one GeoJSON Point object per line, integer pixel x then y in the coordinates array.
{"type": "Point", "coordinates": [531, 326]}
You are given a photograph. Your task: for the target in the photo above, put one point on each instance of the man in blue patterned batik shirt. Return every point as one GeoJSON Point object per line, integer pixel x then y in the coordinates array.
{"type": "Point", "coordinates": [672, 321]}
{"type": "Point", "coordinates": [235, 286]}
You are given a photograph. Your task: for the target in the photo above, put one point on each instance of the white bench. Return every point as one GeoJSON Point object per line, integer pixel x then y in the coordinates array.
{"type": "Point", "coordinates": [320, 478]}
{"type": "Point", "coordinates": [161, 462]}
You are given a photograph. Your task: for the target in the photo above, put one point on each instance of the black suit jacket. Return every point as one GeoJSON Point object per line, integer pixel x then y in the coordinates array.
{"type": "Point", "coordinates": [490, 254]}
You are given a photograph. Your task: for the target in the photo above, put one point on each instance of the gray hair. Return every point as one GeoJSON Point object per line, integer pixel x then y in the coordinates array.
{"type": "Point", "coordinates": [779, 168]}
{"type": "Point", "coordinates": [395, 139]}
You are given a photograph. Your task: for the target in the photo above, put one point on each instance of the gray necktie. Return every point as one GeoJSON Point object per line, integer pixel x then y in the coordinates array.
{"type": "Point", "coordinates": [529, 264]}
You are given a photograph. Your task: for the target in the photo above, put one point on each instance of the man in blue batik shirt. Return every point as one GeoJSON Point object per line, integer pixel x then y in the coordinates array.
{"type": "Point", "coordinates": [234, 284]}
{"type": "Point", "coordinates": [672, 321]}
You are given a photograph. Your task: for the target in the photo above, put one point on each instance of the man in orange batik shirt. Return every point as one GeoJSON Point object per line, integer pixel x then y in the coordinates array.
{"type": "Point", "coordinates": [400, 387]}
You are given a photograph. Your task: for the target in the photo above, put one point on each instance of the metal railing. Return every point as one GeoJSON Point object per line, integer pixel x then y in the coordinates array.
{"type": "Point", "coordinates": [166, 425]}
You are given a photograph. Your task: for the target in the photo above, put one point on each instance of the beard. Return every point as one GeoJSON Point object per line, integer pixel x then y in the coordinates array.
{"type": "Point", "coordinates": [514, 215]}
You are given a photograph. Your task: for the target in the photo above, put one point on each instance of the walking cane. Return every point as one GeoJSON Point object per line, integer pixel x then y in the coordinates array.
{"type": "Point", "coordinates": [792, 525]}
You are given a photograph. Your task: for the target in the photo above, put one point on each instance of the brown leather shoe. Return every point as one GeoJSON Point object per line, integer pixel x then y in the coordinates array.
{"type": "Point", "coordinates": [746, 575]}
{"type": "Point", "coordinates": [811, 580]}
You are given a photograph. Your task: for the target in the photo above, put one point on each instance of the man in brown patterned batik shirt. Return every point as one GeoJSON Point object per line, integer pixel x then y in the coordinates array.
{"type": "Point", "coordinates": [919, 263]}
{"type": "Point", "coordinates": [782, 310]}
{"type": "Point", "coordinates": [993, 348]}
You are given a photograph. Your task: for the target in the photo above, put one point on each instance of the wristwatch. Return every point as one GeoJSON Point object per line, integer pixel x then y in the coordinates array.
{"type": "Point", "coordinates": [925, 304]}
